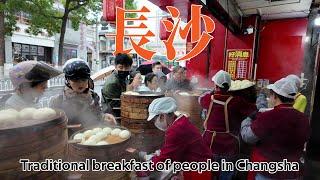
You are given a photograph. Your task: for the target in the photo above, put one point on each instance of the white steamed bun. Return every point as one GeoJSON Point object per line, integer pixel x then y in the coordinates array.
{"type": "Point", "coordinates": [27, 113]}
{"type": "Point", "coordinates": [102, 143]}
{"type": "Point", "coordinates": [125, 134]}
{"type": "Point", "coordinates": [9, 115]}
{"type": "Point", "coordinates": [44, 113]}
{"type": "Point", "coordinates": [115, 132]}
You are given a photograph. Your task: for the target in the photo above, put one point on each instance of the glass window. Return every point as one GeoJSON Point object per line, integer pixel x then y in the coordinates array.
{"type": "Point", "coordinates": [16, 48]}
{"type": "Point", "coordinates": [25, 55]}
{"type": "Point", "coordinates": [41, 51]}
{"type": "Point", "coordinates": [33, 50]}
{"type": "Point", "coordinates": [25, 48]}
{"type": "Point", "coordinates": [69, 53]}
{"type": "Point", "coordinates": [73, 53]}
{"type": "Point", "coordinates": [112, 45]}
{"type": "Point", "coordinates": [32, 57]}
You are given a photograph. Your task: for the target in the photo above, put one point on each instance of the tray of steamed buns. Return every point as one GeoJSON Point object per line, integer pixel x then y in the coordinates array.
{"type": "Point", "coordinates": [11, 118]}
{"type": "Point", "coordinates": [101, 136]}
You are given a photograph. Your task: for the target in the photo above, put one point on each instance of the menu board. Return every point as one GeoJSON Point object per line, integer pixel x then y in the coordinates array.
{"type": "Point", "coordinates": [239, 63]}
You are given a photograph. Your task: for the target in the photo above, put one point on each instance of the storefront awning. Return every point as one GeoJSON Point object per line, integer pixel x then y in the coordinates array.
{"type": "Point", "coordinates": [46, 42]}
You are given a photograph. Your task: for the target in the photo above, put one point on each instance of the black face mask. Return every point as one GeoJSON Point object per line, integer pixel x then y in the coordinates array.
{"type": "Point", "coordinates": [123, 74]}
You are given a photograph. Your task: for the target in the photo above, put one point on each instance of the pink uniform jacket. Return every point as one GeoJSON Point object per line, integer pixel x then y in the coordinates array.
{"type": "Point", "coordinates": [183, 143]}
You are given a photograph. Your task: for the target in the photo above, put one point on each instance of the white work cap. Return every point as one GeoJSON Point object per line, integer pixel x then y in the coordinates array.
{"type": "Point", "coordinates": [222, 77]}
{"type": "Point", "coordinates": [163, 105]}
{"type": "Point", "coordinates": [295, 79]}
{"type": "Point", "coordinates": [284, 87]}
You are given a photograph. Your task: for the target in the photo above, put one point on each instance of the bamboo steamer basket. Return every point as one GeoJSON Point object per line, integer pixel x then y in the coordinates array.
{"type": "Point", "coordinates": [102, 153]}
{"type": "Point", "coordinates": [35, 140]}
{"type": "Point", "coordinates": [134, 114]}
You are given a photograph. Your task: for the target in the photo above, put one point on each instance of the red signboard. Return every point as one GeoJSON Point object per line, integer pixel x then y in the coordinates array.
{"type": "Point", "coordinates": [239, 63]}
{"type": "Point", "coordinates": [109, 9]}
{"type": "Point", "coordinates": [164, 34]}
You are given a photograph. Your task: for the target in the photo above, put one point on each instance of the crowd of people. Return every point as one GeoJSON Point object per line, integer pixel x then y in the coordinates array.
{"type": "Point", "coordinates": [232, 122]}
{"type": "Point", "coordinates": [154, 82]}
{"type": "Point", "coordinates": [274, 129]}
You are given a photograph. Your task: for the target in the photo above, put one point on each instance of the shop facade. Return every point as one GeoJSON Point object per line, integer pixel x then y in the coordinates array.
{"type": "Point", "coordinates": [32, 52]}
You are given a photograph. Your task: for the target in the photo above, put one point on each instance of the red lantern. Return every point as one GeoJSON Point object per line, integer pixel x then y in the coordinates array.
{"type": "Point", "coordinates": [109, 9]}
{"type": "Point", "coordinates": [164, 34]}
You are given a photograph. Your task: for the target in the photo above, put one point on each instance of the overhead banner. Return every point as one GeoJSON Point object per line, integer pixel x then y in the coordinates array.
{"type": "Point", "coordinates": [239, 63]}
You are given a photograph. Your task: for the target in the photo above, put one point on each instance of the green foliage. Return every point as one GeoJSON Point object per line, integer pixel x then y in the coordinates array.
{"type": "Point", "coordinates": [130, 5]}
{"type": "Point", "coordinates": [45, 15]}
{"type": "Point", "coordinates": [10, 8]}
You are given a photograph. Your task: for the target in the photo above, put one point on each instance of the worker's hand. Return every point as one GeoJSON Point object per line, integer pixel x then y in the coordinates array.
{"type": "Point", "coordinates": [134, 153]}
{"type": "Point", "coordinates": [157, 152]}
{"type": "Point", "coordinates": [131, 150]}
{"type": "Point", "coordinates": [110, 119]}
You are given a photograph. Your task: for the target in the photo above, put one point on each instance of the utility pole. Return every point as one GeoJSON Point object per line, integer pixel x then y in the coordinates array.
{"type": "Point", "coordinates": [98, 63]}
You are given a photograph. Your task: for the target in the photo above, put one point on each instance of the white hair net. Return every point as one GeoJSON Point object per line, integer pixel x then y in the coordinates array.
{"type": "Point", "coordinates": [163, 105]}
{"type": "Point", "coordinates": [222, 77]}
{"type": "Point", "coordinates": [284, 87]}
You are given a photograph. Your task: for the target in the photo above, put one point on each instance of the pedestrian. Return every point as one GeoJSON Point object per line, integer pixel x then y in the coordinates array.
{"type": "Point", "coordinates": [30, 80]}
{"type": "Point", "coordinates": [135, 81]}
{"type": "Point", "coordinates": [150, 83]}
{"type": "Point", "coordinates": [277, 134]}
{"type": "Point", "coordinates": [156, 67]}
{"type": "Point", "coordinates": [179, 81]}
{"type": "Point", "coordinates": [116, 84]}
{"type": "Point", "coordinates": [162, 80]}
{"type": "Point", "coordinates": [223, 119]}
{"type": "Point", "coordinates": [78, 100]}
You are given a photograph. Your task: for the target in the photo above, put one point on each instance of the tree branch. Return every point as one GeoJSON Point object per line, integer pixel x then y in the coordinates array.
{"type": "Point", "coordinates": [79, 5]}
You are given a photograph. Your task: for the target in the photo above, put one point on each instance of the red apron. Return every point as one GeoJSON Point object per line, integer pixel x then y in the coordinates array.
{"type": "Point", "coordinates": [256, 156]}
{"type": "Point", "coordinates": [226, 118]}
